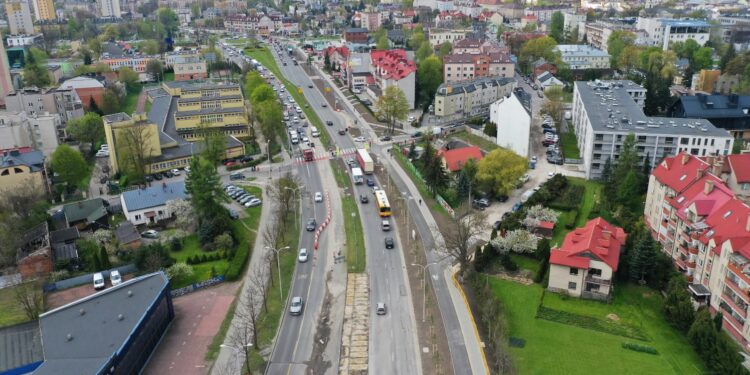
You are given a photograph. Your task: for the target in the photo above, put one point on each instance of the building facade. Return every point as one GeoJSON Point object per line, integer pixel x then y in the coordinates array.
{"type": "Point", "coordinates": [35, 101]}
{"type": "Point", "coordinates": [583, 57]}
{"type": "Point", "coordinates": [459, 67]}
{"type": "Point", "coordinates": [39, 132]}
{"type": "Point", "coordinates": [24, 40]}
{"type": "Point", "coordinates": [728, 112]}
{"type": "Point", "coordinates": [190, 68]}
{"type": "Point", "coordinates": [598, 32]}
{"type": "Point", "coordinates": [44, 10]}
{"type": "Point", "coordinates": [217, 107]}
{"type": "Point", "coordinates": [471, 98]}
{"type": "Point", "coordinates": [19, 17]}
{"type": "Point", "coordinates": [6, 86]}
{"type": "Point", "coordinates": [109, 8]}
{"type": "Point", "coordinates": [394, 68]}
{"type": "Point", "coordinates": [150, 205]}
{"type": "Point", "coordinates": [87, 89]}
{"type": "Point", "coordinates": [23, 169]}
{"type": "Point", "coordinates": [437, 37]}
{"type": "Point", "coordinates": [606, 112]}
{"type": "Point", "coordinates": [662, 32]}
{"type": "Point", "coordinates": [513, 123]}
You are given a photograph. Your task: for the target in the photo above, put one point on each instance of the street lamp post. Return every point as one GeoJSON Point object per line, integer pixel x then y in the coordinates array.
{"type": "Point", "coordinates": [237, 351]}
{"type": "Point", "coordinates": [424, 283]}
{"type": "Point", "coordinates": [278, 266]}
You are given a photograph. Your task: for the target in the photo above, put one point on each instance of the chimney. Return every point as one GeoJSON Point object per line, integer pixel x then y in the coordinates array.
{"type": "Point", "coordinates": [606, 234]}
{"type": "Point", "coordinates": [747, 225]}
{"type": "Point", "coordinates": [699, 174]}
{"type": "Point", "coordinates": [716, 170]}
{"type": "Point", "coordinates": [685, 158]}
{"type": "Point", "coordinates": [710, 159]}
{"type": "Point", "coordinates": [708, 188]}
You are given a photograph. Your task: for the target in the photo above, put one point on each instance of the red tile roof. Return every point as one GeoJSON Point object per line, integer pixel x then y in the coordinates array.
{"type": "Point", "coordinates": [458, 157]}
{"type": "Point", "coordinates": [727, 222]}
{"type": "Point", "coordinates": [679, 171]}
{"type": "Point", "coordinates": [392, 64]}
{"type": "Point", "coordinates": [598, 239]}
{"type": "Point", "coordinates": [740, 166]}
{"type": "Point", "coordinates": [546, 225]}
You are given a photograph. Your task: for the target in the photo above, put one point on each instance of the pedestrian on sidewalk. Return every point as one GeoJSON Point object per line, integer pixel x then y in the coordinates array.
{"type": "Point", "coordinates": [420, 202]}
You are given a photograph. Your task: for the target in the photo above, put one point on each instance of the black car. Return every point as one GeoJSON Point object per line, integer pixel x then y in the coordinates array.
{"type": "Point", "coordinates": [311, 225]}
{"type": "Point", "coordinates": [416, 135]}
{"type": "Point", "coordinates": [158, 176]}
{"type": "Point", "coordinates": [496, 225]}
{"type": "Point", "coordinates": [370, 182]}
{"type": "Point", "coordinates": [324, 105]}
{"type": "Point", "coordinates": [389, 243]}
{"type": "Point", "coordinates": [367, 102]}
{"type": "Point", "coordinates": [363, 199]}
{"type": "Point", "coordinates": [342, 131]}
{"type": "Point", "coordinates": [310, 86]}
{"type": "Point", "coordinates": [385, 138]}
{"type": "Point", "coordinates": [329, 123]}
{"type": "Point", "coordinates": [168, 174]}
{"type": "Point", "coordinates": [246, 159]}
{"type": "Point", "coordinates": [502, 198]}
{"type": "Point", "coordinates": [149, 178]}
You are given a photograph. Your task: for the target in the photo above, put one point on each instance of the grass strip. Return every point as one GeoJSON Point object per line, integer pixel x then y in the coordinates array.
{"type": "Point", "coordinates": [588, 322]}
{"type": "Point", "coordinates": [356, 258]}
{"type": "Point", "coordinates": [407, 166]}
{"type": "Point", "coordinates": [476, 140]}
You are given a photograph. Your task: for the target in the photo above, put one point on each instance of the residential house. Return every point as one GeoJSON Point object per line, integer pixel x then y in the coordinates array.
{"type": "Point", "coordinates": [471, 98]}
{"type": "Point", "coordinates": [149, 205]}
{"type": "Point", "coordinates": [529, 20]}
{"type": "Point", "coordinates": [459, 67]}
{"type": "Point", "coordinates": [728, 112]}
{"type": "Point", "coordinates": [542, 228]}
{"type": "Point", "coordinates": [127, 235]}
{"type": "Point", "coordinates": [586, 262]}
{"type": "Point", "coordinates": [90, 213]}
{"type": "Point", "coordinates": [437, 37]}
{"type": "Point", "coordinates": [22, 169]}
{"type": "Point", "coordinates": [63, 243]}
{"type": "Point", "coordinates": [574, 22]}
{"type": "Point", "coordinates": [544, 13]}
{"type": "Point", "coordinates": [546, 80]}
{"type": "Point", "coordinates": [583, 57]}
{"type": "Point", "coordinates": [513, 121]}
{"type": "Point", "coordinates": [394, 68]}
{"type": "Point", "coordinates": [712, 81]}
{"type": "Point", "coordinates": [356, 35]}
{"type": "Point", "coordinates": [190, 68]}
{"type": "Point", "coordinates": [540, 66]}
{"type": "Point", "coordinates": [455, 159]}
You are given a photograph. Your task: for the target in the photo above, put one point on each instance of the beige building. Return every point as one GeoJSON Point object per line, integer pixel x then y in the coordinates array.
{"type": "Point", "coordinates": [23, 169]}
{"type": "Point", "coordinates": [585, 264]}
{"type": "Point", "coordinates": [439, 36]}
{"type": "Point", "coordinates": [465, 67]}
{"type": "Point", "coordinates": [44, 10]}
{"type": "Point", "coordinates": [471, 98]}
{"type": "Point", "coordinates": [19, 17]}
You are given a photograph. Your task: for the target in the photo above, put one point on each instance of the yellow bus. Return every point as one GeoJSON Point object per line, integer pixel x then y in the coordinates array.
{"type": "Point", "coordinates": [384, 208]}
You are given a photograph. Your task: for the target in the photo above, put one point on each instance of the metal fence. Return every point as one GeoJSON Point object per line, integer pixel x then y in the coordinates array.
{"type": "Point", "coordinates": [197, 286]}
{"type": "Point", "coordinates": [87, 278]}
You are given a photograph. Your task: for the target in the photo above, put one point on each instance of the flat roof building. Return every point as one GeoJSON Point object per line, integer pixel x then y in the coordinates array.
{"type": "Point", "coordinates": [605, 112]}
{"type": "Point", "coordinates": [661, 32]}
{"type": "Point", "coordinates": [583, 57]}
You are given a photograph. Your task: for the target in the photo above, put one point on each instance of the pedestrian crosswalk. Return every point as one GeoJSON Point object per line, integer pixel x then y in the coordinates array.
{"type": "Point", "coordinates": [325, 155]}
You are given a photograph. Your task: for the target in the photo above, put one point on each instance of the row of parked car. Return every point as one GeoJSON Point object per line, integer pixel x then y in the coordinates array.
{"type": "Point", "coordinates": [551, 141]}
{"type": "Point", "coordinates": [241, 196]}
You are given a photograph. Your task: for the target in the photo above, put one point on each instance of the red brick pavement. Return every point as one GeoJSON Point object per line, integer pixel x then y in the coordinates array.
{"type": "Point", "coordinates": [198, 317]}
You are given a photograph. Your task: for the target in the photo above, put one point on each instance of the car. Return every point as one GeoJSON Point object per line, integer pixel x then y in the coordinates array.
{"type": "Point", "coordinates": [385, 138]}
{"type": "Point", "coordinates": [412, 118]}
{"type": "Point", "coordinates": [175, 172]}
{"type": "Point", "coordinates": [102, 154]}
{"type": "Point", "coordinates": [380, 308]}
{"type": "Point", "coordinates": [516, 207]}
{"type": "Point", "coordinates": [244, 159]}
{"type": "Point", "coordinates": [284, 63]}
{"type": "Point", "coordinates": [158, 176]}
{"type": "Point", "coordinates": [246, 199]}
{"type": "Point", "coordinates": [234, 214]}
{"type": "Point", "coordinates": [311, 224]}
{"type": "Point", "coordinates": [342, 131]}
{"type": "Point", "coordinates": [115, 278]}
{"type": "Point", "coordinates": [363, 199]}
{"type": "Point", "coordinates": [148, 178]}
{"type": "Point", "coordinates": [546, 125]}
{"type": "Point", "coordinates": [496, 224]}
{"type": "Point", "coordinates": [351, 162]}
{"type": "Point", "coordinates": [309, 86]}
{"type": "Point", "coordinates": [416, 134]}
{"type": "Point", "coordinates": [318, 196]}
{"type": "Point", "coordinates": [236, 176]}
{"type": "Point", "coordinates": [389, 243]}
{"type": "Point", "coordinates": [385, 225]}
{"type": "Point", "coordinates": [187, 170]}
{"type": "Point", "coordinates": [230, 163]}
{"type": "Point", "coordinates": [168, 174]}
{"type": "Point", "coordinates": [253, 202]}
{"type": "Point", "coordinates": [550, 174]}
{"type": "Point", "coordinates": [302, 257]}
{"type": "Point", "coordinates": [370, 182]}
{"type": "Point", "coordinates": [360, 139]}
{"type": "Point", "coordinates": [329, 123]}
{"type": "Point", "coordinates": [150, 234]}
{"type": "Point", "coordinates": [297, 305]}
{"type": "Point", "coordinates": [324, 105]}
{"type": "Point", "coordinates": [481, 203]}
{"type": "Point", "coordinates": [367, 102]}
{"type": "Point", "coordinates": [540, 94]}
{"type": "Point", "coordinates": [502, 198]}
{"type": "Point", "coordinates": [98, 281]}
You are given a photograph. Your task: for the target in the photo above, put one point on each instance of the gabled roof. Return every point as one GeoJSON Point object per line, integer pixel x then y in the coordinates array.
{"type": "Point", "coordinates": [455, 159]}
{"type": "Point", "coordinates": [392, 64]}
{"type": "Point", "coordinates": [90, 210]}
{"type": "Point", "coordinates": [153, 196]}
{"type": "Point", "coordinates": [64, 235]}
{"type": "Point", "coordinates": [597, 240]}
{"type": "Point", "coordinates": [678, 172]}
{"type": "Point", "coordinates": [727, 222]}
{"type": "Point", "coordinates": [126, 233]}
{"type": "Point", "coordinates": [740, 167]}
{"type": "Point", "coordinates": [32, 159]}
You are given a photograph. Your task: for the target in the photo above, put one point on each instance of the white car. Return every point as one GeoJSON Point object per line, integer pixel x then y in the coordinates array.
{"type": "Point", "coordinates": [102, 153]}
{"type": "Point", "coordinates": [176, 172]}
{"type": "Point", "coordinates": [253, 202]}
{"type": "Point", "coordinates": [115, 278]}
{"type": "Point", "coordinates": [318, 196]}
{"type": "Point", "coordinates": [360, 139]}
{"type": "Point", "coordinates": [98, 281]}
{"type": "Point", "coordinates": [302, 258]}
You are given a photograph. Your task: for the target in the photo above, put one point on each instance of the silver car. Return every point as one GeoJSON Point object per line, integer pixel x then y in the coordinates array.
{"type": "Point", "coordinates": [295, 308]}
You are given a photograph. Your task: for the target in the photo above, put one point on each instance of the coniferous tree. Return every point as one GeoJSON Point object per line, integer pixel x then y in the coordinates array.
{"type": "Point", "coordinates": [678, 308]}
{"type": "Point", "coordinates": [642, 258]}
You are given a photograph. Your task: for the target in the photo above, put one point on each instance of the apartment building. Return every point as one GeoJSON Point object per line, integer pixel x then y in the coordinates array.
{"type": "Point", "coordinates": [259, 23]}
{"type": "Point", "coordinates": [135, 62]}
{"type": "Point", "coordinates": [394, 68]}
{"type": "Point", "coordinates": [35, 101]}
{"type": "Point", "coordinates": [574, 22]}
{"type": "Point", "coordinates": [471, 98]}
{"type": "Point", "coordinates": [661, 32]}
{"type": "Point", "coordinates": [466, 67]}
{"type": "Point", "coordinates": [44, 10]}
{"type": "Point", "coordinates": [437, 37]}
{"type": "Point", "coordinates": [704, 227]}
{"type": "Point", "coordinates": [6, 85]}
{"type": "Point", "coordinates": [544, 13]}
{"type": "Point", "coordinates": [583, 57]}
{"type": "Point", "coordinates": [188, 68]}
{"type": "Point", "coordinates": [38, 132]}
{"type": "Point", "coordinates": [18, 13]}
{"type": "Point", "coordinates": [109, 8]}
{"type": "Point", "coordinates": [371, 20]}
{"type": "Point", "coordinates": [598, 32]}
{"type": "Point", "coordinates": [729, 112]}
{"type": "Point", "coordinates": [513, 121]}
{"type": "Point", "coordinates": [605, 112]}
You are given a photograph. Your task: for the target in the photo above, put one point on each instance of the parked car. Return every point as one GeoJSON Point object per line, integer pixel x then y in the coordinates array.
{"type": "Point", "coordinates": [416, 134]}
{"type": "Point", "coordinates": [158, 177]}
{"type": "Point", "coordinates": [168, 174]}
{"type": "Point", "coordinates": [244, 159]}
{"type": "Point", "coordinates": [150, 234]}
{"type": "Point", "coordinates": [385, 138]}
{"type": "Point", "coordinates": [481, 203]}
{"type": "Point", "coordinates": [324, 105]}
{"type": "Point", "coordinates": [175, 172]}
{"type": "Point", "coordinates": [367, 102]}
{"type": "Point", "coordinates": [98, 281]}
{"type": "Point", "coordinates": [496, 225]}
{"type": "Point", "coordinates": [236, 176]}
{"type": "Point", "coordinates": [253, 202]}
{"type": "Point", "coordinates": [360, 139]}
{"type": "Point", "coordinates": [115, 278]}
{"type": "Point", "coordinates": [389, 243]}
{"type": "Point", "coordinates": [311, 224]}
{"type": "Point", "coordinates": [302, 257]}
{"type": "Point", "coordinates": [516, 207]}
{"type": "Point", "coordinates": [296, 306]}
{"type": "Point", "coordinates": [234, 215]}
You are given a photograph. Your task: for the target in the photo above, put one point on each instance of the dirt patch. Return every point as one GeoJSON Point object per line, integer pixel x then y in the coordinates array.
{"type": "Point", "coordinates": [517, 278]}
{"type": "Point", "coordinates": [613, 317]}
{"type": "Point", "coordinates": [318, 364]}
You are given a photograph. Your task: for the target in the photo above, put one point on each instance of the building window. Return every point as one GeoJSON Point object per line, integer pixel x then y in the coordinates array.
{"type": "Point", "coordinates": [574, 271]}
{"type": "Point", "coordinates": [599, 137]}
{"type": "Point", "coordinates": [684, 141]}
{"type": "Point", "coordinates": [572, 285]}
{"type": "Point", "coordinates": [595, 272]}
{"type": "Point", "coordinates": [597, 146]}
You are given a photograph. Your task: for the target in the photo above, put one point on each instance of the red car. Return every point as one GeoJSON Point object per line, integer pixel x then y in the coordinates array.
{"type": "Point", "coordinates": [230, 163]}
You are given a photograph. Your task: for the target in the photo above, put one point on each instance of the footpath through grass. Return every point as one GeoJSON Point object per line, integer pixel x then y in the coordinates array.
{"type": "Point", "coordinates": [569, 146]}
{"type": "Point", "coordinates": [555, 348]}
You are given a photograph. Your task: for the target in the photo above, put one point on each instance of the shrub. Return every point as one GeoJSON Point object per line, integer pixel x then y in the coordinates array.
{"type": "Point", "coordinates": [639, 348]}
{"type": "Point", "coordinates": [204, 258]}
{"type": "Point", "coordinates": [237, 263]}
{"type": "Point", "coordinates": [508, 263]}
{"type": "Point", "coordinates": [175, 244]}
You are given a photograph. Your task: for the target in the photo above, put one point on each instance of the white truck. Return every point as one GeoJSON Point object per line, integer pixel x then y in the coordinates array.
{"type": "Point", "coordinates": [365, 161]}
{"type": "Point", "coordinates": [357, 176]}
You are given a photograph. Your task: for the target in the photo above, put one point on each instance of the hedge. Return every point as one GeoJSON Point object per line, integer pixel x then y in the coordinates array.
{"type": "Point", "coordinates": [237, 263]}
{"type": "Point", "coordinates": [639, 348]}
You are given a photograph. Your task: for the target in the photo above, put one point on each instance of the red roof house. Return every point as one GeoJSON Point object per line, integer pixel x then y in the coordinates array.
{"type": "Point", "coordinates": [455, 159]}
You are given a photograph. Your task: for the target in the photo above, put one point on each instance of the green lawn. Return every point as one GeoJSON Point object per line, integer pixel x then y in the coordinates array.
{"type": "Point", "coordinates": [569, 146]}
{"type": "Point", "coordinates": [253, 213]}
{"type": "Point", "coordinates": [421, 185]}
{"type": "Point", "coordinates": [168, 76]}
{"type": "Point", "coordinates": [130, 102]}
{"type": "Point", "coordinates": [554, 348]}
{"type": "Point", "coordinates": [525, 262]}
{"type": "Point", "coordinates": [356, 258]}
{"type": "Point", "coordinates": [201, 271]}
{"type": "Point", "coordinates": [477, 141]}
{"type": "Point", "coordinates": [11, 312]}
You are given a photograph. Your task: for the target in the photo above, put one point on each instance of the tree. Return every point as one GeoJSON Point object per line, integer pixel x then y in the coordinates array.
{"type": "Point", "coordinates": [70, 166]}
{"type": "Point", "coordinates": [537, 48]}
{"type": "Point", "coordinates": [223, 241]}
{"type": "Point", "coordinates": [262, 93]}
{"type": "Point", "coordinates": [678, 308]}
{"type": "Point", "coordinates": [424, 51]}
{"type": "Point", "coordinates": [465, 227]}
{"type": "Point", "coordinates": [87, 129]}
{"type": "Point", "coordinates": [518, 241]}
{"type": "Point", "coordinates": [34, 74]}
{"type": "Point", "coordinates": [463, 186]}
{"type": "Point", "coordinates": [718, 321]}
{"type": "Point", "coordinates": [617, 42]}
{"type": "Point", "coordinates": [445, 49]}
{"type": "Point", "coordinates": [642, 257]}
{"type": "Point", "coordinates": [702, 58]}
{"type": "Point", "coordinates": [111, 102]}
{"type": "Point", "coordinates": [104, 259]}
{"type": "Point", "coordinates": [168, 19]}
{"type": "Point", "coordinates": [179, 270]}
{"type": "Point", "coordinates": [207, 196]}
{"type": "Point", "coordinates": [556, 27]}
{"type": "Point", "coordinates": [429, 78]}
{"type": "Point", "coordinates": [382, 42]}
{"type": "Point", "coordinates": [553, 103]}
{"type": "Point", "coordinates": [129, 78]}
{"type": "Point", "coordinates": [490, 129]}
{"type": "Point", "coordinates": [629, 58]}
{"type": "Point", "coordinates": [537, 213]}
{"type": "Point", "coordinates": [183, 213]}
{"type": "Point", "coordinates": [499, 171]}
{"type": "Point", "coordinates": [150, 47]}
{"type": "Point", "coordinates": [728, 55]}
{"type": "Point", "coordinates": [134, 151]}
{"type": "Point", "coordinates": [392, 106]}
{"type": "Point", "coordinates": [155, 69]}
{"type": "Point", "coordinates": [417, 38]}
{"type": "Point", "coordinates": [628, 192]}
{"type": "Point", "coordinates": [432, 170]}
{"type": "Point", "coordinates": [31, 298]}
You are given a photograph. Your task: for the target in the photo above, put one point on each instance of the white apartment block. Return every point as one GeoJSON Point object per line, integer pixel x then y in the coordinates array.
{"type": "Point", "coordinates": [605, 112]}
{"type": "Point", "coordinates": [662, 32]}
{"type": "Point", "coordinates": [573, 21]}
{"type": "Point", "coordinates": [38, 132]}
{"type": "Point", "coordinates": [583, 57]}
{"type": "Point", "coordinates": [513, 123]}
{"type": "Point", "coordinates": [597, 33]}
{"type": "Point", "coordinates": [471, 98]}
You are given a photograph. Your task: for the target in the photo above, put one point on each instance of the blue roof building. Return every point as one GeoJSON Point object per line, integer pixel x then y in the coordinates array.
{"type": "Point", "coordinates": [149, 205]}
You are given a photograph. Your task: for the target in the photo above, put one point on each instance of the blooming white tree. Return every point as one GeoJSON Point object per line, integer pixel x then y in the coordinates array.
{"type": "Point", "coordinates": [102, 236]}
{"type": "Point", "coordinates": [538, 213]}
{"type": "Point", "coordinates": [183, 213]}
{"type": "Point", "coordinates": [517, 241]}
{"type": "Point", "coordinates": [179, 270]}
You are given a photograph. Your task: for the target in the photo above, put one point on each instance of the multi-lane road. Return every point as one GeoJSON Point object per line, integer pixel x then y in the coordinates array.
{"type": "Point", "coordinates": [393, 346]}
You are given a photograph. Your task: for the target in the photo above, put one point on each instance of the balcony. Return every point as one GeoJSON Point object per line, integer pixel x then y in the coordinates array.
{"type": "Point", "coordinates": [734, 307]}
{"type": "Point", "coordinates": [742, 293]}
{"type": "Point", "coordinates": [737, 270]}
{"type": "Point", "coordinates": [692, 250]}
{"type": "Point", "coordinates": [596, 280]}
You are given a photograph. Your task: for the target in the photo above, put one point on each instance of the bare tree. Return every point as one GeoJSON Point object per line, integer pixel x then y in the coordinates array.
{"type": "Point", "coordinates": [283, 192]}
{"type": "Point", "coordinates": [468, 227]}
{"type": "Point", "coordinates": [31, 298]}
{"type": "Point", "coordinates": [135, 151]}
{"type": "Point", "coordinates": [20, 209]}
{"type": "Point", "coordinates": [259, 277]}
{"type": "Point", "coordinates": [247, 314]}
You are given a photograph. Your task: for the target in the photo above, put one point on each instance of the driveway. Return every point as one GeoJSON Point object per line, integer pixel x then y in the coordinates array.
{"type": "Point", "coordinates": [198, 317]}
